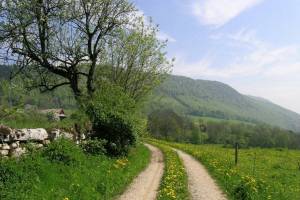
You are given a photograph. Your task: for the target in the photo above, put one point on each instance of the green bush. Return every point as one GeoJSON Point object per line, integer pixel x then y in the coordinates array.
{"type": "Point", "coordinates": [94, 147]}
{"type": "Point", "coordinates": [51, 116]}
{"type": "Point", "coordinates": [113, 115]}
{"type": "Point", "coordinates": [63, 151]}
{"type": "Point", "coordinates": [82, 119]}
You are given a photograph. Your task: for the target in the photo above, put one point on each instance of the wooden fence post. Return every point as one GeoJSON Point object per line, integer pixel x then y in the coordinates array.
{"type": "Point", "coordinates": [236, 153]}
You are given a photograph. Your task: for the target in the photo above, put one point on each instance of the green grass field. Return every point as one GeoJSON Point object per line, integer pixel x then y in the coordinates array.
{"type": "Point", "coordinates": [261, 173]}
{"type": "Point", "coordinates": [212, 119]}
{"type": "Point", "coordinates": [72, 175]}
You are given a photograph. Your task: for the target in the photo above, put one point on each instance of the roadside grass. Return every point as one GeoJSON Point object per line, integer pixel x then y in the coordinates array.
{"type": "Point", "coordinates": [72, 175]}
{"type": "Point", "coordinates": [261, 174]}
{"type": "Point", "coordinates": [174, 183]}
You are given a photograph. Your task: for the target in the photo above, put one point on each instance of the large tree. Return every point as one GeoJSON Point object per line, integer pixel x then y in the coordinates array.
{"type": "Point", "coordinates": [62, 42]}
{"type": "Point", "coordinates": [135, 60]}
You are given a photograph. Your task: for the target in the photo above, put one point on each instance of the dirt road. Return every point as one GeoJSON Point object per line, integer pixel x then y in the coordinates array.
{"type": "Point", "coordinates": [146, 185]}
{"type": "Point", "coordinates": [201, 185]}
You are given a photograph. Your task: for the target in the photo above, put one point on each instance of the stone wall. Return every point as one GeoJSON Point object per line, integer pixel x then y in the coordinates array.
{"type": "Point", "coordinates": [12, 141]}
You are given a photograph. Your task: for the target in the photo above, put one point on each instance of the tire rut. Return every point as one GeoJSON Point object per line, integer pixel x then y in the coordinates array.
{"type": "Point", "coordinates": [145, 186]}
{"type": "Point", "coordinates": [201, 184]}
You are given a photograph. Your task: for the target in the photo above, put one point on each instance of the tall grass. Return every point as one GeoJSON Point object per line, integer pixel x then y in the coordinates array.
{"type": "Point", "coordinates": [69, 174]}
{"type": "Point", "coordinates": [34, 119]}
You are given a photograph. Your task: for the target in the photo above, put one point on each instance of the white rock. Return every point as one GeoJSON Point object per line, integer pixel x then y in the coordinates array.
{"type": "Point", "coordinates": [5, 147]}
{"type": "Point", "coordinates": [17, 152]}
{"type": "Point", "coordinates": [82, 136]}
{"type": "Point", "coordinates": [56, 133]}
{"type": "Point", "coordinates": [67, 135]}
{"type": "Point", "coordinates": [46, 142]}
{"type": "Point", "coordinates": [4, 152]}
{"type": "Point", "coordinates": [5, 133]}
{"type": "Point", "coordinates": [14, 145]}
{"type": "Point", "coordinates": [38, 134]}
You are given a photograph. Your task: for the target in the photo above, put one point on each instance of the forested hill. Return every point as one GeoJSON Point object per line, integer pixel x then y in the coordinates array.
{"type": "Point", "coordinates": [5, 72]}
{"type": "Point", "coordinates": [215, 99]}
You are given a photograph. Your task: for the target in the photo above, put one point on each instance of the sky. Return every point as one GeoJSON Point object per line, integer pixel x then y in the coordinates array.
{"type": "Point", "coordinates": [252, 45]}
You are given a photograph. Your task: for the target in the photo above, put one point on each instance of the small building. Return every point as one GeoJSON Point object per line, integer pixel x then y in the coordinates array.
{"type": "Point", "coordinates": [56, 114]}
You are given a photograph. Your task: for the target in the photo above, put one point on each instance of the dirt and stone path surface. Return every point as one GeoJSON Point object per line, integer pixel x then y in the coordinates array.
{"type": "Point", "coordinates": [145, 186]}
{"type": "Point", "coordinates": [201, 184]}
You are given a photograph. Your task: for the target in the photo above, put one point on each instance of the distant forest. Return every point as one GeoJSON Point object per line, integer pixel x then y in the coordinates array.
{"type": "Point", "coordinates": [168, 125]}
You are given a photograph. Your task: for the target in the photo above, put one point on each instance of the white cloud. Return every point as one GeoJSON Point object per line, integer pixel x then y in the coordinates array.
{"type": "Point", "coordinates": [194, 69]}
{"type": "Point", "coordinates": [262, 59]}
{"type": "Point", "coordinates": [219, 12]}
{"type": "Point", "coordinates": [247, 37]}
{"type": "Point", "coordinates": [164, 36]}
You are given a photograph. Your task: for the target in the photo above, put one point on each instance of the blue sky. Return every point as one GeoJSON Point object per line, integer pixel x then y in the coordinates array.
{"type": "Point", "coordinates": [252, 45]}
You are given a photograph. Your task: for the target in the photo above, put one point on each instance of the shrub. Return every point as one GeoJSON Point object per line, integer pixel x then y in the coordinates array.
{"type": "Point", "coordinates": [63, 151]}
{"type": "Point", "coordinates": [81, 119]}
{"type": "Point", "coordinates": [112, 113]}
{"type": "Point", "coordinates": [94, 147]}
{"type": "Point", "coordinates": [51, 116]}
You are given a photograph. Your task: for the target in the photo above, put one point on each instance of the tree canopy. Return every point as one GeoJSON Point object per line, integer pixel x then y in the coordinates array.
{"type": "Point", "coordinates": [55, 43]}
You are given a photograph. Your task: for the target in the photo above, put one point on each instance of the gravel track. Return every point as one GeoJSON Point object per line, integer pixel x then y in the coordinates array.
{"type": "Point", "coordinates": [201, 184]}
{"type": "Point", "coordinates": [145, 186]}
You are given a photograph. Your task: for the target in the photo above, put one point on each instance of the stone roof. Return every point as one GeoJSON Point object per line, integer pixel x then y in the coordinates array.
{"type": "Point", "coordinates": [60, 111]}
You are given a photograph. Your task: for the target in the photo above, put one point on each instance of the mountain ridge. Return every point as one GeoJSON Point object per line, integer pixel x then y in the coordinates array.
{"type": "Point", "coordinates": [207, 98]}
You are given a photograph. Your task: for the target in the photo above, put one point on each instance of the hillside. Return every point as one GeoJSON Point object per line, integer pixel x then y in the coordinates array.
{"type": "Point", "coordinates": [218, 100]}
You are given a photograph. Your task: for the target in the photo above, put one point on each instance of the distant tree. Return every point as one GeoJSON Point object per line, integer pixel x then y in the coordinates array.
{"type": "Point", "coordinates": [11, 94]}
{"type": "Point", "coordinates": [166, 124]}
{"type": "Point", "coordinates": [195, 135]}
{"type": "Point", "coordinates": [281, 138]}
{"type": "Point", "coordinates": [5, 72]}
